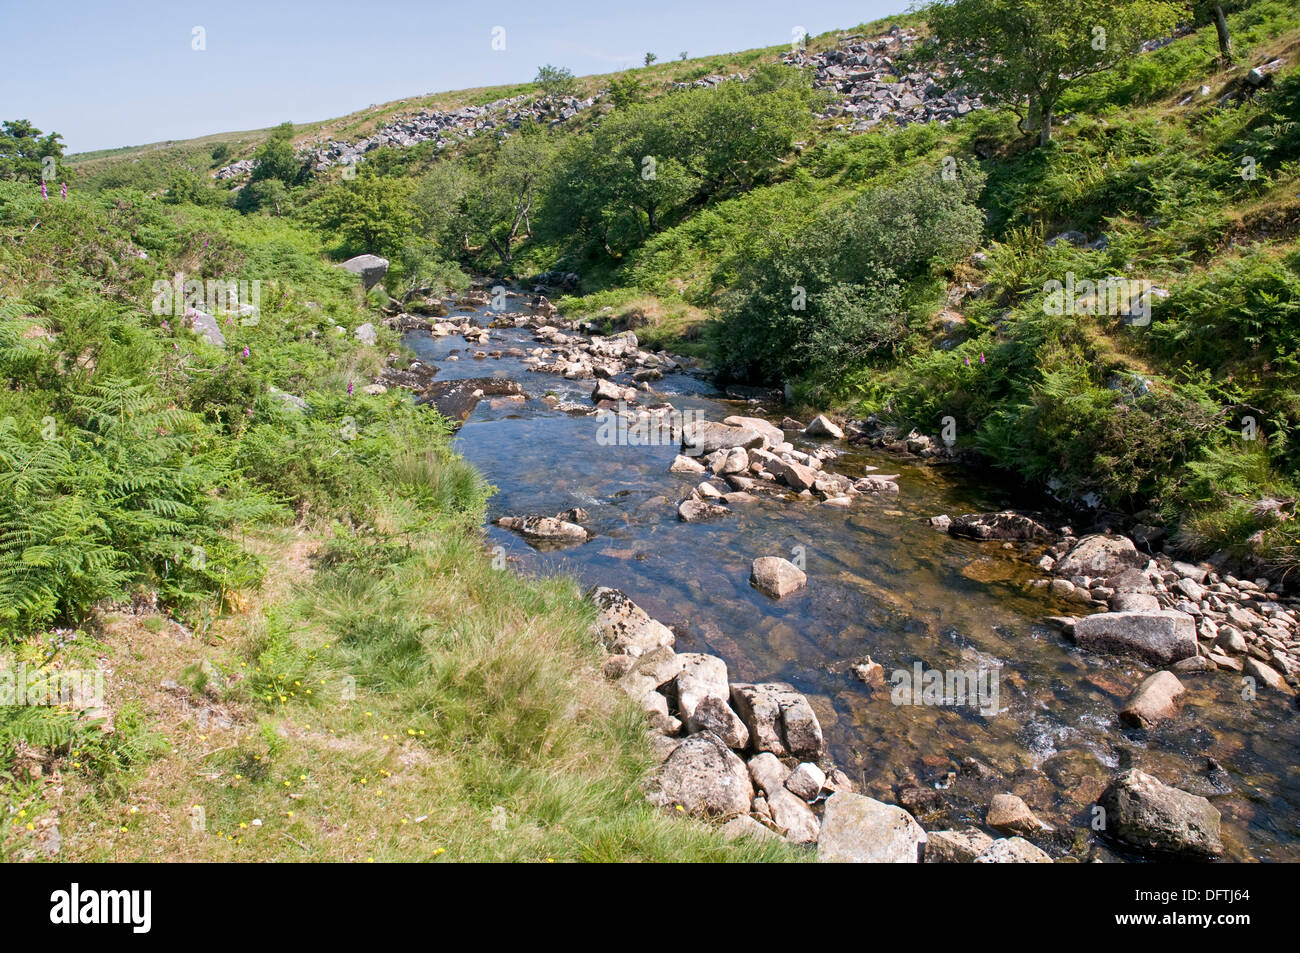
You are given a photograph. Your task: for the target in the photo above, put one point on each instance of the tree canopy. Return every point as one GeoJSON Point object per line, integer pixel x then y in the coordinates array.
{"type": "Point", "coordinates": [23, 149]}
{"type": "Point", "coordinates": [1025, 53]}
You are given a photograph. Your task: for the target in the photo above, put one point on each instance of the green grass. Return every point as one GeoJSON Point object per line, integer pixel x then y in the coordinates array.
{"type": "Point", "coordinates": [355, 680]}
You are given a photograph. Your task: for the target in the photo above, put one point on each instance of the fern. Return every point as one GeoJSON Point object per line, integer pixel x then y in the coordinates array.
{"type": "Point", "coordinates": [130, 490]}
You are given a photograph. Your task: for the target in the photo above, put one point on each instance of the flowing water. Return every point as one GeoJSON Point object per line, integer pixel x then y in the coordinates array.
{"type": "Point", "coordinates": [881, 582]}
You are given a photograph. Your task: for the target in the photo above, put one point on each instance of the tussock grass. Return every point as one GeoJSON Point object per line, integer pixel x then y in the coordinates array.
{"type": "Point", "coordinates": [480, 729]}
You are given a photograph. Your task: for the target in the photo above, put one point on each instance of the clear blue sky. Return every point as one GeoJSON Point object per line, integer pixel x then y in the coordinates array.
{"type": "Point", "coordinates": [108, 74]}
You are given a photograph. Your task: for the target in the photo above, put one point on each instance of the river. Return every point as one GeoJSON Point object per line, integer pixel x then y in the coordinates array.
{"type": "Point", "coordinates": [881, 582]}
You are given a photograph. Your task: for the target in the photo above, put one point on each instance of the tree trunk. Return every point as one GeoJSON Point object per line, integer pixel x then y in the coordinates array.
{"type": "Point", "coordinates": [502, 252]}
{"type": "Point", "coordinates": [1225, 41]}
{"type": "Point", "coordinates": [1045, 127]}
{"type": "Point", "coordinates": [1030, 124]}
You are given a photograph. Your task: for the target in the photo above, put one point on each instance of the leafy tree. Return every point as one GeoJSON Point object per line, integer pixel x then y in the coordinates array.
{"type": "Point", "coordinates": [370, 213]}
{"type": "Point", "coordinates": [650, 58]}
{"type": "Point", "coordinates": [833, 297]}
{"type": "Point", "coordinates": [23, 148]}
{"type": "Point", "coordinates": [500, 202]}
{"type": "Point", "coordinates": [441, 208]}
{"type": "Point", "coordinates": [276, 158]}
{"type": "Point", "coordinates": [1216, 13]}
{"type": "Point", "coordinates": [626, 90]}
{"type": "Point", "coordinates": [645, 164]}
{"type": "Point", "coordinates": [557, 82]}
{"type": "Point", "coordinates": [423, 269]}
{"type": "Point", "coordinates": [1025, 53]}
{"type": "Point", "coordinates": [186, 186]}
{"type": "Point", "coordinates": [263, 194]}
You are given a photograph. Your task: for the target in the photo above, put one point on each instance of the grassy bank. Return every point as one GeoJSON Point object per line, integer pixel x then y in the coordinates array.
{"type": "Point", "coordinates": [306, 651]}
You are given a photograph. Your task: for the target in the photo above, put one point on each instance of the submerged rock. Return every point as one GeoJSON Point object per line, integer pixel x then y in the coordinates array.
{"type": "Point", "coordinates": [696, 511]}
{"type": "Point", "coordinates": [456, 400]}
{"type": "Point", "coordinates": [544, 528]}
{"type": "Point", "coordinates": [1155, 700]}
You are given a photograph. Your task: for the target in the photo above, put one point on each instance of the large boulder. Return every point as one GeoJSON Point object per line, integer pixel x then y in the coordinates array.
{"type": "Point", "coordinates": [651, 672]}
{"type": "Point", "coordinates": [779, 719]}
{"type": "Point", "coordinates": [862, 830]}
{"type": "Point", "coordinates": [1257, 670]}
{"type": "Point", "coordinates": [624, 627]}
{"type": "Point", "coordinates": [1155, 700]}
{"type": "Point", "coordinates": [1146, 813]}
{"type": "Point", "coordinates": [606, 389]}
{"type": "Point", "coordinates": [705, 436]}
{"type": "Point", "coordinates": [1160, 638]}
{"type": "Point", "coordinates": [806, 781]}
{"type": "Point", "coordinates": [776, 577]}
{"type": "Point", "coordinates": [772, 434]}
{"type": "Point", "coordinates": [726, 462]}
{"type": "Point", "coordinates": [744, 825]}
{"type": "Point", "coordinates": [822, 426]}
{"type": "Point", "coordinates": [1007, 525]}
{"type": "Point", "coordinates": [371, 268]}
{"type": "Point", "coordinates": [1100, 556]}
{"type": "Point", "coordinates": [704, 777]}
{"type": "Point", "coordinates": [797, 476]}
{"type": "Point", "coordinates": [683, 464]}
